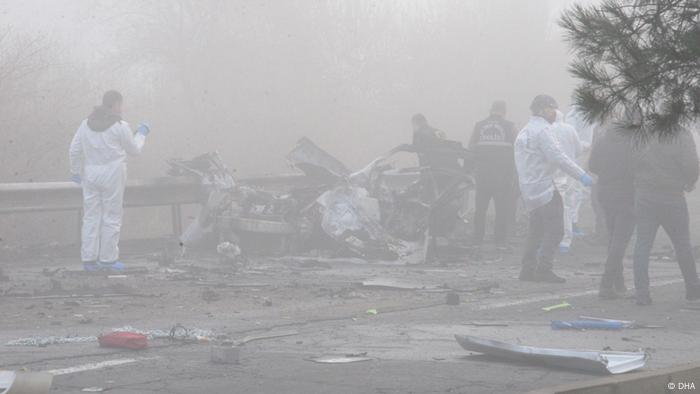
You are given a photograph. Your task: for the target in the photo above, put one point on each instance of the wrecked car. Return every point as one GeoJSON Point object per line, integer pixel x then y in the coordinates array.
{"type": "Point", "coordinates": [366, 213]}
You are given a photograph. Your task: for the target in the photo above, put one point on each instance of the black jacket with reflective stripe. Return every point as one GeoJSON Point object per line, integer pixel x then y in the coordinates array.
{"type": "Point", "coordinates": [492, 143]}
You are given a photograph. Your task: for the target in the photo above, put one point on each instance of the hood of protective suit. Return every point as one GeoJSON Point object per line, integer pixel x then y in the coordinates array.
{"type": "Point", "coordinates": [102, 118]}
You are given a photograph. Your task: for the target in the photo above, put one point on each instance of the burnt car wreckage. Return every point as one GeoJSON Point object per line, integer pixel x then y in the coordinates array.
{"type": "Point", "coordinates": [377, 213]}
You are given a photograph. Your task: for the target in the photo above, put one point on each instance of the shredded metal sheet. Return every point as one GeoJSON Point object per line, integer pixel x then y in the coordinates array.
{"type": "Point", "coordinates": [583, 360]}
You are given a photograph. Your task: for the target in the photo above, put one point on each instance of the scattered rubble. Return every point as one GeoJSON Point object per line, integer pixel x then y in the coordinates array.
{"type": "Point", "coordinates": [178, 332]}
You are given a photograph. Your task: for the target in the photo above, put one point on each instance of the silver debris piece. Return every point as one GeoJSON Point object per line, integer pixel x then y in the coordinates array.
{"type": "Point", "coordinates": [20, 382]}
{"type": "Point", "coordinates": [330, 359]}
{"type": "Point", "coordinates": [602, 362]}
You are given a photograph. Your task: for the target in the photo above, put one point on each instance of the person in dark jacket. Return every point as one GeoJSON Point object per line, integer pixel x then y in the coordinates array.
{"type": "Point", "coordinates": [494, 167]}
{"type": "Point", "coordinates": [664, 170]}
{"type": "Point", "coordinates": [441, 169]}
{"type": "Point", "coordinates": [427, 140]}
{"type": "Point", "coordinates": [610, 160]}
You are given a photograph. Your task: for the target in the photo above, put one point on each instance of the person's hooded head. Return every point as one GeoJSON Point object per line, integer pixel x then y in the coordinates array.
{"type": "Point", "coordinates": [106, 115]}
{"type": "Point", "coordinates": [544, 106]}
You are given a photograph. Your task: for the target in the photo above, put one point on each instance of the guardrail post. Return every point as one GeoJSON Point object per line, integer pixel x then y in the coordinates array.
{"type": "Point", "coordinates": [176, 214]}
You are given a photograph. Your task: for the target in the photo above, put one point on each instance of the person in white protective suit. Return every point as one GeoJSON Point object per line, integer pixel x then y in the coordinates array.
{"type": "Point", "coordinates": [584, 130]}
{"type": "Point", "coordinates": [537, 158]}
{"type": "Point", "coordinates": [568, 187]}
{"type": "Point", "coordinates": [98, 162]}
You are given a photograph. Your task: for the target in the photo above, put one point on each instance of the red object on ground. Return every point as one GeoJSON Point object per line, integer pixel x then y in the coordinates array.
{"type": "Point", "coordinates": [126, 340]}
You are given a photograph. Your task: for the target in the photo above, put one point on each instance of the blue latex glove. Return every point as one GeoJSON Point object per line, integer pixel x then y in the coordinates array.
{"type": "Point", "coordinates": [587, 180]}
{"type": "Point", "coordinates": [76, 178]}
{"type": "Point", "coordinates": [144, 129]}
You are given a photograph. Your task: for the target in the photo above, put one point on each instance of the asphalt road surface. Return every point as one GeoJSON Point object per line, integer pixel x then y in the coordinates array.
{"type": "Point", "coordinates": [409, 341]}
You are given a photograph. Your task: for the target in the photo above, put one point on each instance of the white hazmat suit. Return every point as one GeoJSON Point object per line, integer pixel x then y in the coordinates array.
{"type": "Point", "coordinates": [585, 134]}
{"type": "Point", "coordinates": [570, 144]}
{"type": "Point", "coordinates": [100, 156]}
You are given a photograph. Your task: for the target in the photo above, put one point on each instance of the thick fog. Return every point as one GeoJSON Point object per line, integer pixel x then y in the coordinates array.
{"type": "Point", "coordinates": [509, 242]}
{"type": "Point", "coordinates": [250, 78]}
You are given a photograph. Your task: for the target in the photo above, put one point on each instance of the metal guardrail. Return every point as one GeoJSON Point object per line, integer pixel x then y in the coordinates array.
{"type": "Point", "coordinates": [67, 196]}
{"type": "Point", "coordinates": [35, 197]}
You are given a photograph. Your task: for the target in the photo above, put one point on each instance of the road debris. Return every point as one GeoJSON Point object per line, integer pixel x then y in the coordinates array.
{"type": "Point", "coordinates": [93, 390]}
{"type": "Point", "coordinates": [562, 305]}
{"type": "Point", "coordinates": [339, 359]}
{"type": "Point", "coordinates": [228, 351]}
{"type": "Point", "coordinates": [271, 335]}
{"type": "Point", "coordinates": [176, 333]}
{"type": "Point", "coordinates": [628, 339]}
{"type": "Point", "coordinates": [20, 382]}
{"type": "Point", "coordinates": [372, 312]}
{"type": "Point", "coordinates": [452, 298]}
{"type": "Point", "coordinates": [50, 340]}
{"type": "Point", "coordinates": [586, 325]}
{"type": "Point", "coordinates": [123, 340]}
{"type": "Point", "coordinates": [228, 251]}
{"type": "Point", "coordinates": [486, 324]}
{"type": "Point", "coordinates": [624, 323]}
{"type": "Point", "coordinates": [606, 362]}
{"type": "Point", "coordinates": [397, 284]}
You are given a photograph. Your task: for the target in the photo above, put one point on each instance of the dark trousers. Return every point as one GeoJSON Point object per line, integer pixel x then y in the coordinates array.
{"type": "Point", "coordinates": [673, 217]}
{"type": "Point", "coordinates": [619, 220]}
{"type": "Point", "coordinates": [545, 232]}
{"type": "Point", "coordinates": [485, 192]}
{"type": "Point", "coordinates": [598, 212]}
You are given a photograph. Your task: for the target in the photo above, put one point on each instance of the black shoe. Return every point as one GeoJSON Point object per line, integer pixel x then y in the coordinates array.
{"type": "Point", "coordinates": [693, 293]}
{"type": "Point", "coordinates": [608, 293]}
{"type": "Point", "coordinates": [643, 299]}
{"type": "Point", "coordinates": [620, 287]}
{"type": "Point", "coordinates": [549, 277]}
{"type": "Point", "coordinates": [527, 275]}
